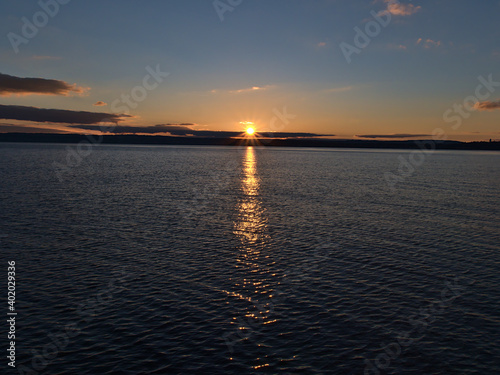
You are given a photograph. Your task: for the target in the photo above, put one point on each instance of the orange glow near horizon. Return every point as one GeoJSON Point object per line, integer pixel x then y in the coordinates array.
{"type": "Point", "coordinates": [250, 131]}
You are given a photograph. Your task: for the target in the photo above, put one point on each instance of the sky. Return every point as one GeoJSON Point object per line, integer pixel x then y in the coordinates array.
{"type": "Point", "coordinates": [380, 69]}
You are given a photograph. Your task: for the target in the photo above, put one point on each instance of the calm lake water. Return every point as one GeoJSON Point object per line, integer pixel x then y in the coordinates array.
{"type": "Point", "coordinates": [220, 260]}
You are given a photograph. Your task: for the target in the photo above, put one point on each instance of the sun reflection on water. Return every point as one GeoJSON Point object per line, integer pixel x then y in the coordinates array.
{"type": "Point", "coordinates": [251, 224]}
{"type": "Point", "coordinates": [254, 288]}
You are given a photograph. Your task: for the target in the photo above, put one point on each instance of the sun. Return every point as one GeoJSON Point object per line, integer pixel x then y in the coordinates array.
{"type": "Point", "coordinates": [250, 131]}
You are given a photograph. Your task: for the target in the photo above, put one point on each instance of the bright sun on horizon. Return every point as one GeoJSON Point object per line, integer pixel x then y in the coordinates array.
{"type": "Point", "coordinates": [250, 131]}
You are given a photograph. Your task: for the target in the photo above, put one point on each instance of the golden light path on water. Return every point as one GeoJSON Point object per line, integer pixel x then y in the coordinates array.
{"type": "Point", "coordinates": [252, 259]}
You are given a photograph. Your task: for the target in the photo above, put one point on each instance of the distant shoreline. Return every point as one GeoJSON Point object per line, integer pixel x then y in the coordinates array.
{"type": "Point", "coordinates": [267, 142]}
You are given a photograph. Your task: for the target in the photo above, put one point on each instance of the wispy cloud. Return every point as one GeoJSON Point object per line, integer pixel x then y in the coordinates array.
{"type": "Point", "coordinates": [396, 46]}
{"type": "Point", "coordinates": [487, 105]}
{"type": "Point", "coordinates": [100, 104]}
{"type": "Point", "coordinates": [16, 112]}
{"type": "Point", "coordinates": [11, 85]}
{"type": "Point", "coordinates": [245, 90]}
{"type": "Point", "coordinates": [252, 89]}
{"type": "Point", "coordinates": [338, 89]}
{"type": "Point", "coordinates": [428, 43]}
{"type": "Point", "coordinates": [397, 9]}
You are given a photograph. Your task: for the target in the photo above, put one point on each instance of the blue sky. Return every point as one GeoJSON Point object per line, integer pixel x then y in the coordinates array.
{"type": "Point", "coordinates": [262, 57]}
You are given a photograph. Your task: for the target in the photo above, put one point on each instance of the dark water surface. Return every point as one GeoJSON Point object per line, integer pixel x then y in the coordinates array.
{"type": "Point", "coordinates": [213, 260]}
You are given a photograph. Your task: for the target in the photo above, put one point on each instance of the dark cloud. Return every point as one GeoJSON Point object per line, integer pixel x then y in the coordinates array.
{"type": "Point", "coordinates": [173, 129]}
{"type": "Point", "coordinates": [185, 129]}
{"type": "Point", "coordinates": [487, 106]}
{"type": "Point", "coordinates": [17, 112]}
{"type": "Point", "coordinates": [16, 128]}
{"type": "Point", "coordinates": [394, 136]}
{"type": "Point", "coordinates": [10, 85]}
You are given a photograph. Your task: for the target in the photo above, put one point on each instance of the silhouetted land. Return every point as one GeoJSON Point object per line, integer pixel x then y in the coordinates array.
{"type": "Point", "coordinates": [272, 142]}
